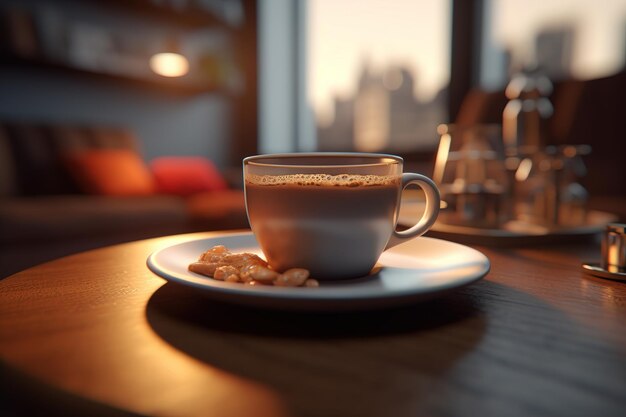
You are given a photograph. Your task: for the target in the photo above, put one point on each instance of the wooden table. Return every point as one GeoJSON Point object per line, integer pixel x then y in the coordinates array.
{"type": "Point", "coordinates": [98, 334]}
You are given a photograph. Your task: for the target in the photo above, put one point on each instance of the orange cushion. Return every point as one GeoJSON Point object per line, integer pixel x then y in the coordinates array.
{"type": "Point", "coordinates": [186, 175]}
{"type": "Point", "coordinates": [116, 172]}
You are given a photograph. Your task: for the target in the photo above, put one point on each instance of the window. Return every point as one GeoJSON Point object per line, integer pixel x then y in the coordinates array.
{"type": "Point", "coordinates": [377, 73]}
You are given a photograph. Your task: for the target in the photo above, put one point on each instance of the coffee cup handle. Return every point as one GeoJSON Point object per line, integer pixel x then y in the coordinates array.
{"type": "Point", "coordinates": [430, 212]}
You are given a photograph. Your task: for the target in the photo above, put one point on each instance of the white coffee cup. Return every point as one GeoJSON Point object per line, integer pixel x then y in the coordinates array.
{"type": "Point", "coordinates": [331, 213]}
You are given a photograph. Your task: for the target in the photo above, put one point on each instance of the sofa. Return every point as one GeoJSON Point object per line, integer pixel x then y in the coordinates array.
{"type": "Point", "coordinates": [69, 188]}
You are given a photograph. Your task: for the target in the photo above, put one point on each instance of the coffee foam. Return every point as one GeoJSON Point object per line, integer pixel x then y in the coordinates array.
{"type": "Point", "coordinates": [323, 180]}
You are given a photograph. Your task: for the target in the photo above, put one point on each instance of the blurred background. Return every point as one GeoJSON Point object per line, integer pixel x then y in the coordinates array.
{"type": "Point", "coordinates": [122, 120]}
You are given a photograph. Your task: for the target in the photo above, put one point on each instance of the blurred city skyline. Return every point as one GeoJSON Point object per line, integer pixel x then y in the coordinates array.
{"type": "Point", "coordinates": [343, 35]}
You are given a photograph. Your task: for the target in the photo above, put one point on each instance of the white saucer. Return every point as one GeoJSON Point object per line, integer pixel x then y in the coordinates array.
{"type": "Point", "coordinates": [413, 271]}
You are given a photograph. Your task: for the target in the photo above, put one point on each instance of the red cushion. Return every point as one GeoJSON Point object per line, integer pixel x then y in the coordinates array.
{"type": "Point", "coordinates": [186, 175]}
{"type": "Point", "coordinates": [117, 172]}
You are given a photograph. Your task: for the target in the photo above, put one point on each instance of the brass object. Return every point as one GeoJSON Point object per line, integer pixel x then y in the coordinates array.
{"type": "Point", "coordinates": [491, 175]}
{"type": "Point", "coordinates": [614, 246]}
{"type": "Point", "coordinates": [612, 265]}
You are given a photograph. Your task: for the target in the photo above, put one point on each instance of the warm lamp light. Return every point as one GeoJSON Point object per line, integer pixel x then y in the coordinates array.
{"type": "Point", "coordinates": [169, 64]}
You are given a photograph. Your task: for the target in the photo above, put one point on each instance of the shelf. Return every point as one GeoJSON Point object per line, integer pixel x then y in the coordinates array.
{"type": "Point", "coordinates": [72, 44]}
{"type": "Point", "coordinates": [164, 85]}
{"type": "Point", "coordinates": [191, 16]}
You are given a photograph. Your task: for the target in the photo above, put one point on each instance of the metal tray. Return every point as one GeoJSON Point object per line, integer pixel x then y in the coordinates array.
{"type": "Point", "coordinates": [512, 233]}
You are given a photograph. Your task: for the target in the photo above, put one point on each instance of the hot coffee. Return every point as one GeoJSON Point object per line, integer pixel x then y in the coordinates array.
{"type": "Point", "coordinates": [330, 213]}
{"type": "Point", "coordinates": [350, 216]}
